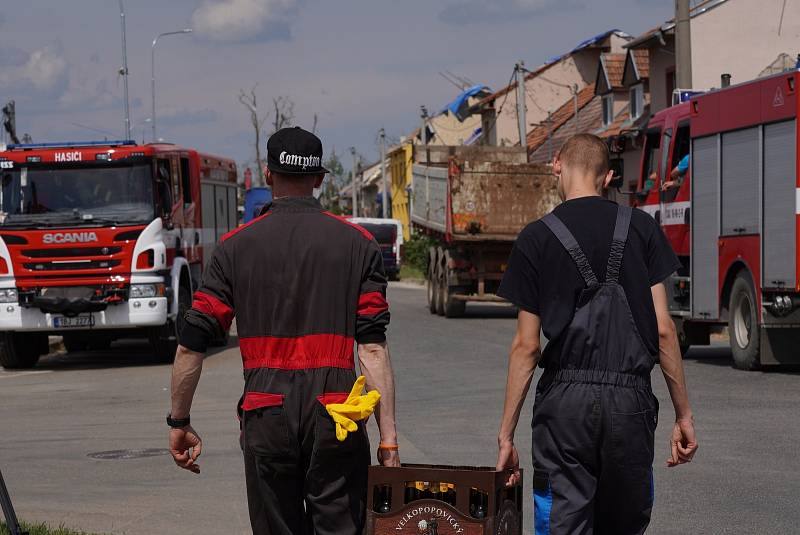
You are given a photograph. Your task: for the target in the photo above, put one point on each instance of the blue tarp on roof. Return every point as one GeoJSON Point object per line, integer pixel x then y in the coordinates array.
{"type": "Point", "coordinates": [587, 42]}
{"type": "Point", "coordinates": [462, 99]}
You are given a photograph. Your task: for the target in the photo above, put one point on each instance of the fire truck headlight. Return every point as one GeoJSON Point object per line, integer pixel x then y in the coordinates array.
{"type": "Point", "coordinates": [8, 295]}
{"type": "Point", "coordinates": [146, 290]}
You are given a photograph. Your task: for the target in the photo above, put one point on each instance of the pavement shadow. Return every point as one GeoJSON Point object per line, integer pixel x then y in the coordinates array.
{"type": "Point", "coordinates": [126, 353]}
{"type": "Point", "coordinates": [479, 311]}
{"type": "Point", "coordinates": [719, 355]}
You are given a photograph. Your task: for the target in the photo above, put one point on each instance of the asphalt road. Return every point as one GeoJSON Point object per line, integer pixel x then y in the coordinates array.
{"type": "Point", "coordinates": [450, 376]}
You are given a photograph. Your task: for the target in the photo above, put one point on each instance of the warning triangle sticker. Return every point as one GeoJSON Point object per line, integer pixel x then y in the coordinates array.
{"type": "Point", "coordinates": [777, 100]}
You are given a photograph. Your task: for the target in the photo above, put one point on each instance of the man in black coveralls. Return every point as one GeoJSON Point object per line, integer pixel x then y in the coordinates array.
{"type": "Point", "coordinates": [590, 275]}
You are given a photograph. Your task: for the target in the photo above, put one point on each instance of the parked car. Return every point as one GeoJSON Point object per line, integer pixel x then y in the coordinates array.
{"type": "Point", "coordinates": [389, 235]}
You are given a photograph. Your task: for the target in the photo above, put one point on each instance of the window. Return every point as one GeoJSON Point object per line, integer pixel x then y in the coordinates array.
{"type": "Point", "coordinates": [637, 101]}
{"type": "Point", "coordinates": [186, 184]}
{"type": "Point", "coordinates": [670, 85]}
{"type": "Point", "coordinates": [608, 109]}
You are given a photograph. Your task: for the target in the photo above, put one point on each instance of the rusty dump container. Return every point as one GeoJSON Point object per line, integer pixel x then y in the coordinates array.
{"type": "Point", "coordinates": [423, 499]}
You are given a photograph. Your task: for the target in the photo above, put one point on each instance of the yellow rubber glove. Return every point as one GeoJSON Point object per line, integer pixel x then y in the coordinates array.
{"type": "Point", "coordinates": [356, 407]}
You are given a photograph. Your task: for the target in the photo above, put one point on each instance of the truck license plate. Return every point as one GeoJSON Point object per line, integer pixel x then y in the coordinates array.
{"type": "Point", "coordinates": [64, 322]}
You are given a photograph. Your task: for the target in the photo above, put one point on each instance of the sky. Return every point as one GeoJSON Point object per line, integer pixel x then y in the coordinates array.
{"type": "Point", "coordinates": [357, 65]}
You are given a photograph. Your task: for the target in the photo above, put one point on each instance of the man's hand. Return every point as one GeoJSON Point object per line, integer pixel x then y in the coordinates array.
{"type": "Point", "coordinates": [669, 184]}
{"type": "Point", "coordinates": [508, 461]}
{"type": "Point", "coordinates": [388, 458]}
{"type": "Point", "coordinates": [185, 446]}
{"type": "Point", "coordinates": [683, 444]}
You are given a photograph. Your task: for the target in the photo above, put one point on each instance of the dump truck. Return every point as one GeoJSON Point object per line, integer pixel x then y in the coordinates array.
{"type": "Point", "coordinates": [473, 202]}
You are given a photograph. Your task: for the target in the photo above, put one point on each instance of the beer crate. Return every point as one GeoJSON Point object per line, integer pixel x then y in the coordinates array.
{"type": "Point", "coordinates": [467, 500]}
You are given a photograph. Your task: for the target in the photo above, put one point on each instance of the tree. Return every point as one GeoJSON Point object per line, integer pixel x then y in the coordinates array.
{"type": "Point", "coordinates": [284, 113]}
{"type": "Point", "coordinates": [336, 179]}
{"type": "Point", "coordinates": [257, 122]}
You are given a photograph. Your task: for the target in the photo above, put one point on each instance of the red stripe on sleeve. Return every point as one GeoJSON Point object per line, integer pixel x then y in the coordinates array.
{"type": "Point", "coordinates": [372, 303]}
{"type": "Point", "coordinates": [211, 306]}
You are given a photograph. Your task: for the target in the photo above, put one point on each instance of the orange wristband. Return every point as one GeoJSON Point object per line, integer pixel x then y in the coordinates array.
{"type": "Point", "coordinates": [390, 447]}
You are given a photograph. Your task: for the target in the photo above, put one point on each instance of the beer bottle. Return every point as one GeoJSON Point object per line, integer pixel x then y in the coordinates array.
{"type": "Point", "coordinates": [435, 493]}
{"type": "Point", "coordinates": [382, 502]}
{"type": "Point", "coordinates": [411, 492]}
{"type": "Point", "coordinates": [478, 503]}
{"type": "Point", "coordinates": [451, 494]}
{"type": "Point", "coordinates": [426, 491]}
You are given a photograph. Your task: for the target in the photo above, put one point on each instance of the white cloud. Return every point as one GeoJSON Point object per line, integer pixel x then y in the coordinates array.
{"type": "Point", "coordinates": [244, 20]}
{"type": "Point", "coordinates": [43, 72]}
{"type": "Point", "coordinates": [494, 11]}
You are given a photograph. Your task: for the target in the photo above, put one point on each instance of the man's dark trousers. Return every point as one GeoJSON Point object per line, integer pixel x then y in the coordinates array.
{"type": "Point", "coordinates": [595, 414]}
{"type": "Point", "coordinates": [292, 456]}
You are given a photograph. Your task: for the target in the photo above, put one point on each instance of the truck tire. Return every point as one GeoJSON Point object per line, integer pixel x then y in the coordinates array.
{"type": "Point", "coordinates": [20, 351]}
{"type": "Point", "coordinates": [441, 283]}
{"type": "Point", "coordinates": [430, 277]}
{"type": "Point", "coordinates": [164, 339]}
{"type": "Point", "coordinates": [743, 326]}
{"type": "Point", "coordinates": [453, 308]}
{"type": "Point", "coordinates": [74, 343]}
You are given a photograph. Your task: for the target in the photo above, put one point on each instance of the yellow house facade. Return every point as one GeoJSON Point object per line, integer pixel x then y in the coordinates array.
{"type": "Point", "coordinates": [401, 159]}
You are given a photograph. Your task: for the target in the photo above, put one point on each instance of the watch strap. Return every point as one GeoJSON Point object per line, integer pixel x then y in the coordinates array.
{"type": "Point", "coordinates": [177, 422]}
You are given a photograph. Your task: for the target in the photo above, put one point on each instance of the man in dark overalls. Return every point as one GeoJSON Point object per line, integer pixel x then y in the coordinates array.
{"type": "Point", "coordinates": [590, 275]}
{"type": "Point", "coordinates": [304, 286]}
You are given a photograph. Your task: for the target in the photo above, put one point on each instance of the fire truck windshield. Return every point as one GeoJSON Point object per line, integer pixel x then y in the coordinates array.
{"type": "Point", "coordinates": [45, 195]}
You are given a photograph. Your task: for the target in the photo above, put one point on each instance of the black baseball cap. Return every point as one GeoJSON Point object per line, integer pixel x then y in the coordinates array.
{"type": "Point", "coordinates": [294, 151]}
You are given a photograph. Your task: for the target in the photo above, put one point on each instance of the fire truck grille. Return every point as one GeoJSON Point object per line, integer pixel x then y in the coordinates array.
{"type": "Point", "coordinates": [70, 252]}
{"type": "Point", "coordinates": [66, 265]}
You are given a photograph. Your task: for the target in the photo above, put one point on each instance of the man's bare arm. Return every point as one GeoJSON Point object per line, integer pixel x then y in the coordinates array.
{"type": "Point", "coordinates": [376, 365]}
{"type": "Point", "coordinates": [522, 361]}
{"type": "Point", "coordinates": [185, 444]}
{"type": "Point", "coordinates": [185, 376]}
{"type": "Point", "coordinates": [683, 442]}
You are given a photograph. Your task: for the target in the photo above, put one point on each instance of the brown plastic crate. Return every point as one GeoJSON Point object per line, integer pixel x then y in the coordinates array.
{"type": "Point", "coordinates": [503, 513]}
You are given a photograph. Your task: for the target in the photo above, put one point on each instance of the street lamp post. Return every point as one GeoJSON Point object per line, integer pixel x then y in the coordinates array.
{"type": "Point", "coordinates": [153, 74]}
{"type": "Point", "coordinates": [124, 72]}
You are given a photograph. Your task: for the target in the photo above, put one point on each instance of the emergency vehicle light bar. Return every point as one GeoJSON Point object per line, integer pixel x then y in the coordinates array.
{"type": "Point", "coordinates": [69, 144]}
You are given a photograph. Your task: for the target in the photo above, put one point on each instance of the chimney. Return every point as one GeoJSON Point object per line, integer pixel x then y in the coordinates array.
{"type": "Point", "coordinates": [725, 80]}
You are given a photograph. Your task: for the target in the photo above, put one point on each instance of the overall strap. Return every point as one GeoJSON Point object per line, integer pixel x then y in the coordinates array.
{"type": "Point", "coordinates": [618, 243]}
{"type": "Point", "coordinates": [569, 242]}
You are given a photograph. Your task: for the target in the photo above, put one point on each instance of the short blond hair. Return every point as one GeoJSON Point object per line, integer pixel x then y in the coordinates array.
{"type": "Point", "coordinates": [586, 153]}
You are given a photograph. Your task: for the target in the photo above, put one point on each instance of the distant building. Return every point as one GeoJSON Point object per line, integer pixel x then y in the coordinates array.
{"type": "Point", "coordinates": [744, 38]}
{"type": "Point", "coordinates": [546, 88]}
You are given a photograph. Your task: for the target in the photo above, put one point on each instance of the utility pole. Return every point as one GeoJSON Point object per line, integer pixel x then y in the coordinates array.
{"type": "Point", "coordinates": [385, 197]}
{"type": "Point", "coordinates": [575, 105]}
{"type": "Point", "coordinates": [353, 183]}
{"type": "Point", "coordinates": [124, 73]}
{"type": "Point", "coordinates": [423, 135]}
{"type": "Point", "coordinates": [523, 131]}
{"type": "Point", "coordinates": [683, 45]}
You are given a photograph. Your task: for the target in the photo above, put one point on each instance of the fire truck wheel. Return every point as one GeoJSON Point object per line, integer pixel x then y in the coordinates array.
{"type": "Point", "coordinates": [19, 351]}
{"type": "Point", "coordinates": [743, 324]}
{"type": "Point", "coordinates": [164, 339]}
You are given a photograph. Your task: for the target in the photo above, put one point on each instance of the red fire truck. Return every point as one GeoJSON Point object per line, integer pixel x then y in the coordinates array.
{"type": "Point", "coordinates": [105, 240]}
{"type": "Point", "coordinates": [732, 218]}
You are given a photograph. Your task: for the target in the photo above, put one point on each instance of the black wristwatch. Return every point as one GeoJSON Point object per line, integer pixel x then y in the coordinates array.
{"type": "Point", "coordinates": [177, 423]}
